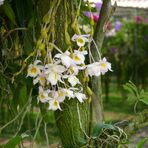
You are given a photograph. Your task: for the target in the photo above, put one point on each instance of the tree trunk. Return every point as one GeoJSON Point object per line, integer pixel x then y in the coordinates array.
{"type": "Point", "coordinates": [73, 120]}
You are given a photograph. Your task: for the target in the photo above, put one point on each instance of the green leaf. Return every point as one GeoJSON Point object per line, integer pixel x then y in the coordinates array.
{"type": "Point", "coordinates": [144, 101]}
{"type": "Point", "coordinates": [98, 129]}
{"type": "Point", "coordinates": [127, 88]}
{"type": "Point", "coordinates": [13, 142]}
{"type": "Point", "coordinates": [9, 11]}
{"type": "Point", "coordinates": [141, 143]}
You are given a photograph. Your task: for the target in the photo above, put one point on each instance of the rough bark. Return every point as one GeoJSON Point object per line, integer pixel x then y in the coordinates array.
{"type": "Point", "coordinates": [72, 121]}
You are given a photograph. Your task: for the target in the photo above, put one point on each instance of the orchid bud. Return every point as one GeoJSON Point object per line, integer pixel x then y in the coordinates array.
{"type": "Point", "coordinates": [41, 46]}
{"type": "Point", "coordinates": [44, 33]}
{"type": "Point", "coordinates": [46, 19]}
{"type": "Point", "coordinates": [89, 91]}
{"type": "Point", "coordinates": [67, 38]}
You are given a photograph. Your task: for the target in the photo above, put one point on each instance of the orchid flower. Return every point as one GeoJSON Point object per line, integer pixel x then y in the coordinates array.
{"type": "Point", "coordinates": [41, 79]}
{"type": "Point", "coordinates": [104, 66]}
{"type": "Point", "coordinates": [93, 69]}
{"type": "Point", "coordinates": [57, 98]}
{"type": "Point", "coordinates": [79, 56]}
{"type": "Point", "coordinates": [54, 72]}
{"type": "Point", "coordinates": [54, 105]}
{"type": "Point", "coordinates": [43, 95]}
{"type": "Point", "coordinates": [98, 68]}
{"type": "Point", "coordinates": [80, 39]}
{"type": "Point", "coordinates": [34, 69]}
{"type": "Point", "coordinates": [65, 58]}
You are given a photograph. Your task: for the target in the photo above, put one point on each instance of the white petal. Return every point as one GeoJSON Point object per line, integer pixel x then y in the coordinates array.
{"type": "Point", "coordinates": [37, 61]}
{"type": "Point", "coordinates": [80, 97]}
{"type": "Point", "coordinates": [69, 93]}
{"type": "Point", "coordinates": [53, 78]}
{"type": "Point", "coordinates": [35, 81]}
{"type": "Point", "coordinates": [75, 36]}
{"type": "Point", "coordinates": [54, 105]}
{"type": "Point", "coordinates": [58, 55]}
{"type": "Point", "coordinates": [73, 80]}
{"type": "Point", "coordinates": [58, 69]}
{"type": "Point", "coordinates": [66, 60]}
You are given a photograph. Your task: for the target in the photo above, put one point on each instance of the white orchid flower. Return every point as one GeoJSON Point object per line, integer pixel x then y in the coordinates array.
{"type": "Point", "coordinates": [104, 66]}
{"type": "Point", "coordinates": [53, 77]}
{"type": "Point", "coordinates": [98, 68]}
{"type": "Point", "coordinates": [65, 58]}
{"type": "Point", "coordinates": [73, 70]}
{"type": "Point", "coordinates": [34, 69]}
{"type": "Point", "coordinates": [81, 39]}
{"type": "Point", "coordinates": [61, 94]}
{"type": "Point", "coordinates": [40, 79]}
{"type": "Point", "coordinates": [80, 96]}
{"type": "Point", "coordinates": [73, 80]}
{"type": "Point", "coordinates": [54, 73]}
{"type": "Point", "coordinates": [93, 69]}
{"type": "Point", "coordinates": [54, 105]}
{"type": "Point", "coordinates": [43, 95]}
{"type": "Point", "coordinates": [57, 98]}
{"type": "Point", "coordinates": [79, 56]}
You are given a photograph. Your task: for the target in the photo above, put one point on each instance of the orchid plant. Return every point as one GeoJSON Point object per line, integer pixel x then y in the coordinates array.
{"type": "Point", "coordinates": [58, 76]}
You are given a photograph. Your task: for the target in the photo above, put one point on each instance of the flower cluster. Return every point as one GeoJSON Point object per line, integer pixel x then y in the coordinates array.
{"type": "Point", "coordinates": [59, 79]}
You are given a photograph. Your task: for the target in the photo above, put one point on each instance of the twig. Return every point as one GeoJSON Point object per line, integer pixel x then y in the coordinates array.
{"type": "Point", "coordinates": [16, 117]}
{"type": "Point", "coordinates": [16, 29]}
{"type": "Point", "coordinates": [46, 134]}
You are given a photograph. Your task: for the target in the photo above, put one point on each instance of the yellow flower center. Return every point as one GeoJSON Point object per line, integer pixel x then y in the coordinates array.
{"type": "Point", "coordinates": [61, 94]}
{"type": "Point", "coordinates": [42, 80]}
{"type": "Point", "coordinates": [103, 65]}
{"type": "Point", "coordinates": [33, 70]}
{"type": "Point", "coordinates": [55, 103]}
{"type": "Point", "coordinates": [80, 40]}
{"type": "Point", "coordinates": [42, 97]}
{"type": "Point", "coordinates": [76, 58]}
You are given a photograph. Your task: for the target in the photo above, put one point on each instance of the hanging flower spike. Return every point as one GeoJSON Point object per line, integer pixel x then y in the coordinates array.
{"type": "Point", "coordinates": [43, 95]}
{"type": "Point", "coordinates": [34, 69]}
{"type": "Point", "coordinates": [93, 69]}
{"type": "Point", "coordinates": [104, 66]}
{"type": "Point", "coordinates": [54, 72]}
{"type": "Point", "coordinates": [80, 96]}
{"type": "Point", "coordinates": [79, 56]}
{"type": "Point", "coordinates": [80, 39]}
{"type": "Point", "coordinates": [65, 59]}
